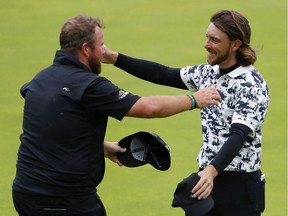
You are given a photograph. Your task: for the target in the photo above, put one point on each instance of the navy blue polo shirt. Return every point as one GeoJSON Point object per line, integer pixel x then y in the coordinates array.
{"type": "Point", "coordinates": [64, 124]}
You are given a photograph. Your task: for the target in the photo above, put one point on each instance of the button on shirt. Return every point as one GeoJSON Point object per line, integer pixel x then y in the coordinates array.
{"type": "Point", "coordinates": [245, 99]}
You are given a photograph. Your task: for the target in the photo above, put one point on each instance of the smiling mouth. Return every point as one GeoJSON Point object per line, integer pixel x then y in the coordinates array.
{"type": "Point", "coordinates": [210, 54]}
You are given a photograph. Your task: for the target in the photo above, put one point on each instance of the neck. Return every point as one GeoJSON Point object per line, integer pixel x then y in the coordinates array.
{"type": "Point", "coordinates": [224, 71]}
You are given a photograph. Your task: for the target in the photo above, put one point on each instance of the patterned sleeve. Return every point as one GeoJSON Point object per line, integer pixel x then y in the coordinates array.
{"type": "Point", "coordinates": [252, 104]}
{"type": "Point", "coordinates": [197, 77]}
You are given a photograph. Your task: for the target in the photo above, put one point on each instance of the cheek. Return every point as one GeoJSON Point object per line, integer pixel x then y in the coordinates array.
{"type": "Point", "coordinates": [98, 54]}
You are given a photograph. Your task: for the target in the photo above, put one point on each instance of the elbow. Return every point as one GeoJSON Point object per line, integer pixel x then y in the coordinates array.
{"type": "Point", "coordinates": [145, 109]}
{"type": "Point", "coordinates": [150, 111]}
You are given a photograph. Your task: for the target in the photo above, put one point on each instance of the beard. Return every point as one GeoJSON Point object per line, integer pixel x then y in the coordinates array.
{"type": "Point", "coordinates": [94, 65]}
{"type": "Point", "coordinates": [216, 59]}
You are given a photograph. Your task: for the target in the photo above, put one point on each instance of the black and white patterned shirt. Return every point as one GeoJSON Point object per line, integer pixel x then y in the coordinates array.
{"type": "Point", "coordinates": [245, 99]}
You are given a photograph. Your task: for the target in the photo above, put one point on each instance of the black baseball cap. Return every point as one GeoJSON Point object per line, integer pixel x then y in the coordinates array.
{"type": "Point", "coordinates": [183, 199]}
{"type": "Point", "coordinates": [144, 147]}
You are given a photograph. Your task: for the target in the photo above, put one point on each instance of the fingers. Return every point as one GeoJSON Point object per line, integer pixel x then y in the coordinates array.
{"type": "Point", "coordinates": [118, 162]}
{"type": "Point", "coordinates": [202, 190]}
{"type": "Point", "coordinates": [108, 56]}
{"type": "Point", "coordinates": [214, 94]}
{"type": "Point", "coordinates": [114, 159]}
{"type": "Point", "coordinates": [207, 96]}
{"type": "Point", "coordinates": [202, 193]}
{"type": "Point", "coordinates": [205, 185]}
{"type": "Point", "coordinates": [122, 150]}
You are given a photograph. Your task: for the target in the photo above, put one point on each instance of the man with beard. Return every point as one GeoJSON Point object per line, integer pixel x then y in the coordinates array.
{"type": "Point", "coordinates": [230, 157]}
{"type": "Point", "coordinates": [67, 105]}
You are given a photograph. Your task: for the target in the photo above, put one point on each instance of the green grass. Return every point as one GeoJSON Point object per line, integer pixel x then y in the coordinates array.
{"type": "Point", "coordinates": [168, 31]}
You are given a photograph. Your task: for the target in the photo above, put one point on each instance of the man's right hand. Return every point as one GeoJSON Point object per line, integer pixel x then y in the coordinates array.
{"type": "Point", "coordinates": [109, 56]}
{"type": "Point", "coordinates": [207, 96]}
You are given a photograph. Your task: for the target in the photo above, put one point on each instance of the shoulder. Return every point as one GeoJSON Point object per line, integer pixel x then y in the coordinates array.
{"type": "Point", "coordinates": [248, 76]}
{"type": "Point", "coordinates": [198, 68]}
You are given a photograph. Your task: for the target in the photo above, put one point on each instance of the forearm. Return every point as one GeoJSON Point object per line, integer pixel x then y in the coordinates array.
{"type": "Point", "coordinates": [160, 106]}
{"type": "Point", "coordinates": [231, 148]}
{"type": "Point", "coordinates": [150, 71]}
{"type": "Point", "coordinates": [227, 153]}
{"type": "Point", "coordinates": [164, 106]}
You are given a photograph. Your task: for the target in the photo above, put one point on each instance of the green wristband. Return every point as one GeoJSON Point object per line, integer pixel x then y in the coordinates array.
{"type": "Point", "coordinates": [195, 105]}
{"type": "Point", "coordinates": [193, 101]}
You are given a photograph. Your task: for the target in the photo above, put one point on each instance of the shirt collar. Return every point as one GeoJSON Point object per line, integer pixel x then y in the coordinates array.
{"type": "Point", "coordinates": [240, 70]}
{"type": "Point", "coordinates": [67, 58]}
{"type": "Point", "coordinates": [237, 72]}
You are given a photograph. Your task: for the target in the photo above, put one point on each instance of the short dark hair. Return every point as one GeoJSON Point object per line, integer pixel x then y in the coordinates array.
{"type": "Point", "coordinates": [78, 30]}
{"type": "Point", "coordinates": [236, 26]}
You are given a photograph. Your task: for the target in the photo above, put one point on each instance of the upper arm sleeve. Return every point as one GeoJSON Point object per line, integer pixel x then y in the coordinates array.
{"type": "Point", "coordinates": [103, 97]}
{"type": "Point", "coordinates": [198, 76]}
{"type": "Point", "coordinates": [251, 108]}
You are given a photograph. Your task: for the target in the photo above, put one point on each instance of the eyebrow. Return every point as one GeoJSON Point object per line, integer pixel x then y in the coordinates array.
{"type": "Point", "coordinates": [213, 37]}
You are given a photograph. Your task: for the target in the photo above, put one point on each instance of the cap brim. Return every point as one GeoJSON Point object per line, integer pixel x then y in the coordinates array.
{"type": "Point", "coordinates": [144, 148]}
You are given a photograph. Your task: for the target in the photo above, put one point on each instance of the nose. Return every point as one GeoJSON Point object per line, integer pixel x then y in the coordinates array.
{"type": "Point", "coordinates": [207, 44]}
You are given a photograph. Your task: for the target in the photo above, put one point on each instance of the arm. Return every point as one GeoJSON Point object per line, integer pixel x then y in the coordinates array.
{"type": "Point", "coordinates": [164, 106]}
{"type": "Point", "coordinates": [238, 135]}
{"type": "Point", "coordinates": [110, 150]}
{"type": "Point", "coordinates": [146, 70]}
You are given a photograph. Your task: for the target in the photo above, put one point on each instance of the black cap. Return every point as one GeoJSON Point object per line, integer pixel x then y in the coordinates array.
{"type": "Point", "coordinates": [183, 199]}
{"type": "Point", "coordinates": [144, 148]}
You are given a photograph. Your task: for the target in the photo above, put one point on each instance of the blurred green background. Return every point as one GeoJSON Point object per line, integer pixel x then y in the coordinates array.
{"type": "Point", "coordinates": [171, 32]}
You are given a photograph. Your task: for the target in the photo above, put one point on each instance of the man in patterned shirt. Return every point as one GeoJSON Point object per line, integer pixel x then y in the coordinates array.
{"type": "Point", "coordinates": [230, 155]}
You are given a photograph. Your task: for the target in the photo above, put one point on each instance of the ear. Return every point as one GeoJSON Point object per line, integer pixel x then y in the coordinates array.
{"type": "Point", "coordinates": [85, 49]}
{"type": "Point", "coordinates": [236, 44]}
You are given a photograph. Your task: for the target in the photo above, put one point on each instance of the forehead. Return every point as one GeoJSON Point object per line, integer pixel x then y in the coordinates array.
{"type": "Point", "coordinates": [213, 31]}
{"type": "Point", "coordinates": [99, 34]}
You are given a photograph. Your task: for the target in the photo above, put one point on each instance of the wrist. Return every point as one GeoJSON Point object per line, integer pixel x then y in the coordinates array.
{"type": "Point", "coordinates": [214, 172]}
{"type": "Point", "coordinates": [193, 101]}
{"type": "Point", "coordinates": [114, 57]}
